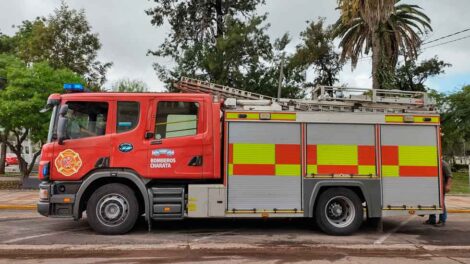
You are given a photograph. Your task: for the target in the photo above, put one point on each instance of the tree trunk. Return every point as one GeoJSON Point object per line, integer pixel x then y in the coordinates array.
{"type": "Point", "coordinates": [3, 155]}
{"type": "Point", "coordinates": [17, 148]}
{"type": "Point", "coordinates": [220, 18]}
{"type": "Point", "coordinates": [23, 166]}
{"type": "Point", "coordinates": [375, 60]}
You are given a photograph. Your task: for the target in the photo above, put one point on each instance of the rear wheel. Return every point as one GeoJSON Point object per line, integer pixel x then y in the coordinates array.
{"type": "Point", "coordinates": [339, 211]}
{"type": "Point", "coordinates": [112, 209]}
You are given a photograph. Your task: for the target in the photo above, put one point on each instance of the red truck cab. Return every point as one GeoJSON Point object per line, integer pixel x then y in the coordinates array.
{"type": "Point", "coordinates": [158, 136]}
{"type": "Point", "coordinates": [152, 136]}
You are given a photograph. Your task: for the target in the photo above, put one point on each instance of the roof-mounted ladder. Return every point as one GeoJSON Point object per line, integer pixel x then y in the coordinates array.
{"type": "Point", "coordinates": [324, 98]}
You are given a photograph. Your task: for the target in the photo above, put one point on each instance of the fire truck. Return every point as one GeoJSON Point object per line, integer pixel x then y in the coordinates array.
{"type": "Point", "coordinates": [213, 151]}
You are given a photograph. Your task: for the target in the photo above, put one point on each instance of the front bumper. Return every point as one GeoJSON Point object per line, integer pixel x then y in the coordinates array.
{"type": "Point", "coordinates": [44, 208]}
{"type": "Point", "coordinates": [56, 199]}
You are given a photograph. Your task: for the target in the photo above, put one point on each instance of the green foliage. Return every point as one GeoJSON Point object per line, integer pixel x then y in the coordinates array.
{"type": "Point", "coordinates": [129, 86]}
{"type": "Point", "coordinates": [411, 76]}
{"type": "Point", "coordinates": [318, 51]}
{"type": "Point", "coordinates": [228, 45]}
{"type": "Point", "coordinates": [455, 120]}
{"type": "Point", "coordinates": [460, 183]}
{"type": "Point", "coordinates": [197, 21]}
{"type": "Point", "coordinates": [263, 77]}
{"type": "Point", "coordinates": [27, 90]}
{"type": "Point", "coordinates": [64, 40]}
{"type": "Point", "coordinates": [7, 44]}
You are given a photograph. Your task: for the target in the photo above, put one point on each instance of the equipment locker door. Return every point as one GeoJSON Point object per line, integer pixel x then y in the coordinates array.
{"type": "Point", "coordinates": [264, 166]}
{"type": "Point", "coordinates": [341, 149]}
{"type": "Point", "coordinates": [410, 166]}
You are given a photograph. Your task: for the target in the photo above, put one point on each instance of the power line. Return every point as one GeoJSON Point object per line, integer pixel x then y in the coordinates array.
{"type": "Point", "coordinates": [437, 45]}
{"type": "Point", "coordinates": [447, 42]}
{"type": "Point", "coordinates": [447, 36]}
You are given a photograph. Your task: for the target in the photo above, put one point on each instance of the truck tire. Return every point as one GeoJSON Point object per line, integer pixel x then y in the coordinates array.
{"type": "Point", "coordinates": [339, 212]}
{"type": "Point", "coordinates": [112, 209]}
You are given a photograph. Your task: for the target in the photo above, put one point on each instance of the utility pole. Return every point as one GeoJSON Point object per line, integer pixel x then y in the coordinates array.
{"type": "Point", "coordinates": [281, 76]}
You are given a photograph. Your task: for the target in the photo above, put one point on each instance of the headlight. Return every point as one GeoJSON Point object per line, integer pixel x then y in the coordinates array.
{"type": "Point", "coordinates": [43, 194]}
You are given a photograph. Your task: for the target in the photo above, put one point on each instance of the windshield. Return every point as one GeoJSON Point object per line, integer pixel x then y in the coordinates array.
{"type": "Point", "coordinates": [50, 135]}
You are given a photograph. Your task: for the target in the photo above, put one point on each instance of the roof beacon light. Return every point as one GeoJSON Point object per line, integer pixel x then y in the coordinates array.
{"type": "Point", "coordinates": [73, 87]}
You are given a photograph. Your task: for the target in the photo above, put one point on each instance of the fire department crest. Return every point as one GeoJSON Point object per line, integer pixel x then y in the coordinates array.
{"type": "Point", "coordinates": [68, 162]}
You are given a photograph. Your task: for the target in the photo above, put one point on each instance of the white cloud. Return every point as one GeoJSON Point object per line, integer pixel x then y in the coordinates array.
{"type": "Point", "coordinates": [126, 33]}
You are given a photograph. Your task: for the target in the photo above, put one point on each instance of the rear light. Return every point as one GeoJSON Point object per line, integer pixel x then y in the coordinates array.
{"type": "Point", "coordinates": [43, 194]}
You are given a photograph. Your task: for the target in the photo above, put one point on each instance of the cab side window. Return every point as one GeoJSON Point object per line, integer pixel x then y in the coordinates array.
{"type": "Point", "coordinates": [176, 119]}
{"type": "Point", "coordinates": [86, 119]}
{"type": "Point", "coordinates": [127, 116]}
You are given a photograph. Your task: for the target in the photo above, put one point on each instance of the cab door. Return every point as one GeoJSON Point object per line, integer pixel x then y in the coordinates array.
{"type": "Point", "coordinates": [176, 150]}
{"type": "Point", "coordinates": [88, 139]}
{"type": "Point", "coordinates": [129, 144]}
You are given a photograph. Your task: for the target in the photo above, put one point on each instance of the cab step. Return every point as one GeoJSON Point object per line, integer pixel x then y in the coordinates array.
{"type": "Point", "coordinates": [167, 202]}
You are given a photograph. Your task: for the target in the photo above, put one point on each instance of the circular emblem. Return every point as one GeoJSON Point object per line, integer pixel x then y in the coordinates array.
{"type": "Point", "coordinates": [125, 147]}
{"type": "Point", "coordinates": [68, 162]}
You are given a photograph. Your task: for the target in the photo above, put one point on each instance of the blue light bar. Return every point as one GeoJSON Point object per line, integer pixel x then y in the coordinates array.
{"type": "Point", "coordinates": [74, 87]}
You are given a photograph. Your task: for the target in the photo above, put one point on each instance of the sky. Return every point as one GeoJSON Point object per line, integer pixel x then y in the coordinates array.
{"type": "Point", "coordinates": [126, 34]}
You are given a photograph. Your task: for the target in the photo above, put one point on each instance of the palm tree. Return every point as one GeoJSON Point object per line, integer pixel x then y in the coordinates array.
{"type": "Point", "coordinates": [386, 28]}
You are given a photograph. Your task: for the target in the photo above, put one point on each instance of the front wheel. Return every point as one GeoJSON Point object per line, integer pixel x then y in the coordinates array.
{"type": "Point", "coordinates": [339, 211]}
{"type": "Point", "coordinates": [112, 209]}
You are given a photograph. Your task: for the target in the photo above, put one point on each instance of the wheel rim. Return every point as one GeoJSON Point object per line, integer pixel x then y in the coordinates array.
{"type": "Point", "coordinates": [340, 211]}
{"type": "Point", "coordinates": [112, 209]}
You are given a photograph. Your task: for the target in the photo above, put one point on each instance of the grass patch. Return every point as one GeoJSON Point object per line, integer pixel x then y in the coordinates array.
{"type": "Point", "coordinates": [10, 185]}
{"type": "Point", "coordinates": [460, 183]}
{"type": "Point", "coordinates": [11, 174]}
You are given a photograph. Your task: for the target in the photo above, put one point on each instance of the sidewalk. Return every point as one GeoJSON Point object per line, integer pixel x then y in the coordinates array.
{"type": "Point", "coordinates": [27, 199]}
{"type": "Point", "coordinates": [18, 199]}
{"type": "Point", "coordinates": [458, 203]}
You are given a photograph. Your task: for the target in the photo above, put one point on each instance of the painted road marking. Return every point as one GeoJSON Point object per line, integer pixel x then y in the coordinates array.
{"type": "Point", "coordinates": [43, 235]}
{"type": "Point", "coordinates": [215, 234]}
{"type": "Point", "coordinates": [391, 232]}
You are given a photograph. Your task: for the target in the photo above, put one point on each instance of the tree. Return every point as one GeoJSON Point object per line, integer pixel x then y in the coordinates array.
{"type": "Point", "coordinates": [385, 28]}
{"type": "Point", "coordinates": [228, 44]}
{"type": "Point", "coordinates": [130, 86]}
{"type": "Point", "coordinates": [264, 77]}
{"type": "Point", "coordinates": [197, 21]}
{"type": "Point", "coordinates": [411, 76]}
{"type": "Point", "coordinates": [64, 40]}
{"type": "Point", "coordinates": [455, 119]}
{"type": "Point", "coordinates": [317, 51]}
{"type": "Point", "coordinates": [7, 44]}
{"type": "Point", "coordinates": [27, 90]}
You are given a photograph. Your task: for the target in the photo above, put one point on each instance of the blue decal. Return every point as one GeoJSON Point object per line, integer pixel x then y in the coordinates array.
{"type": "Point", "coordinates": [158, 152]}
{"type": "Point", "coordinates": [126, 147]}
{"type": "Point", "coordinates": [125, 124]}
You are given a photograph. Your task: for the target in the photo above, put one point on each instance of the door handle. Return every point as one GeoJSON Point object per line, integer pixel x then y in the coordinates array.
{"type": "Point", "coordinates": [195, 161]}
{"type": "Point", "coordinates": [156, 142]}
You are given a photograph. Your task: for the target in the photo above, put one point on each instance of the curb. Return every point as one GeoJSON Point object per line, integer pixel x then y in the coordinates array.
{"type": "Point", "coordinates": [103, 248]}
{"type": "Point", "coordinates": [458, 211]}
{"type": "Point", "coordinates": [18, 207]}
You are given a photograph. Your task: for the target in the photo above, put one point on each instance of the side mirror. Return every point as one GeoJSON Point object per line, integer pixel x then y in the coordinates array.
{"type": "Point", "coordinates": [62, 124]}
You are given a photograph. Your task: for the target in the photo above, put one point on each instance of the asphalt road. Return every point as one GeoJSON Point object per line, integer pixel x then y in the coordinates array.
{"type": "Point", "coordinates": [29, 238]}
